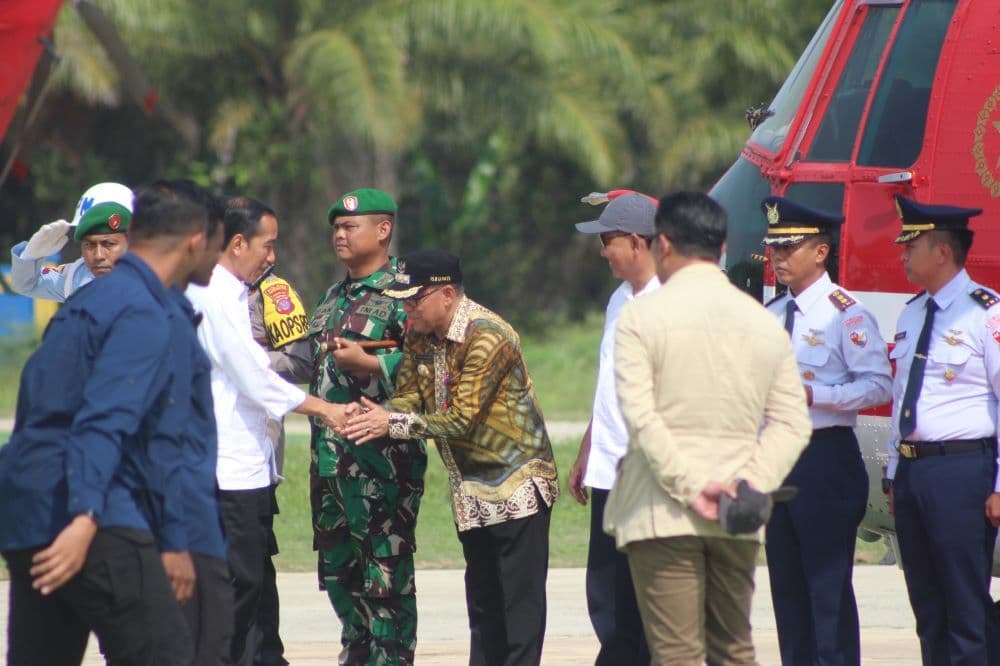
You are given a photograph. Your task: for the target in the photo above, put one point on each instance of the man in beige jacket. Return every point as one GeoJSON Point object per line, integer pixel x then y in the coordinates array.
{"type": "Point", "coordinates": [710, 392]}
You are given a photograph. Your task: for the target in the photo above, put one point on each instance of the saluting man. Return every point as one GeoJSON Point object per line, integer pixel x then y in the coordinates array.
{"type": "Point", "coordinates": [844, 368]}
{"type": "Point", "coordinates": [942, 457]}
{"type": "Point", "coordinates": [101, 219]}
{"type": "Point", "coordinates": [365, 498]}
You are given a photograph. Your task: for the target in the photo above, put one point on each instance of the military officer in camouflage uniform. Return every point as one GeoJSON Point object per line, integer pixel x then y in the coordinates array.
{"type": "Point", "coordinates": [364, 498]}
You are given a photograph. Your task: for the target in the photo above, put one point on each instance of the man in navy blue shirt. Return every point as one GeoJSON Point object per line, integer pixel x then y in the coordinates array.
{"type": "Point", "coordinates": [77, 500]}
{"type": "Point", "coordinates": [188, 515]}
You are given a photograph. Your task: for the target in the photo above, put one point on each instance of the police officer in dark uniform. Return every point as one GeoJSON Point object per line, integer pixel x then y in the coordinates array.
{"type": "Point", "coordinates": [942, 473]}
{"type": "Point", "coordinates": [843, 364]}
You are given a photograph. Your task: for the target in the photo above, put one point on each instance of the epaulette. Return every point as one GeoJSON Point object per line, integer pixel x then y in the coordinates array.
{"type": "Point", "coordinates": [776, 298]}
{"type": "Point", "coordinates": [915, 297]}
{"type": "Point", "coordinates": [985, 297]}
{"type": "Point", "coordinates": [841, 300]}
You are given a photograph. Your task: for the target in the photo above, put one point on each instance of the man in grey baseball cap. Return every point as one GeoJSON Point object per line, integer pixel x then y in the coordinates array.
{"type": "Point", "coordinates": [626, 228]}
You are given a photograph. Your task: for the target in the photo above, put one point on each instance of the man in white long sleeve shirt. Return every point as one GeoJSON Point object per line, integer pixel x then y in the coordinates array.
{"type": "Point", "coordinates": [246, 393]}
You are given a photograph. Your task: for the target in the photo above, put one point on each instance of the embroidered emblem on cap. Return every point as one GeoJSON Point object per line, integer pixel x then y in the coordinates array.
{"type": "Point", "coordinates": [351, 203]}
{"type": "Point", "coordinates": [402, 278]}
{"type": "Point", "coordinates": [114, 221]}
{"type": "Point", "coordinates": [772, 214]}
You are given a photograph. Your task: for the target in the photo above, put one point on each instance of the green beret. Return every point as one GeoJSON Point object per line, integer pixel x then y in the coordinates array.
{"type": "Point", "coordinates": [104, 218]}
{"type": "Point", "coordinates": [364, 201]}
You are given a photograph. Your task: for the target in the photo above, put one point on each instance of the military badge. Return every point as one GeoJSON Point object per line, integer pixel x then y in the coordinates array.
{"type": "Point", "coordinates": [996, 336]}
{"type": "Point", "coordinates": [351, 203]}
{"type": "Point", "coordinates": [949, 375]}
{"type": "Point", "coordinates": [813, 339]}
{"type": "Point", "coordinates": [773, 217]}
{"type": "Point", "coordinates": [808, 375]}
{"type": "Point", "coordinates": [114, 221]}
{"type": "Point", "coordinates": [854, 321]}
{"type": "Point", "coordinates": [900, 336]}
{"type": "Point", "coordinates": [953, 337]}
{"type": "Point", "coordinates": [859, 337]}
{"type": "Point", "coordinates": [279, 295]}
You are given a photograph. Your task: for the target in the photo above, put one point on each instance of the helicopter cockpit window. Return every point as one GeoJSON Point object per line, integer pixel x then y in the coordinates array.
{"type": "Point", "coordinates": [834, 141]}
{"type": "Point", "coordinates": [895, 129]}
{"type": "Point", "coordinates": [771, 133]}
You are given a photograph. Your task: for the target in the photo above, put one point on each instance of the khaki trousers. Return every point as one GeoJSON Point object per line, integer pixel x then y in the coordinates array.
{"type": "Point", "coordinates": [694, 596]}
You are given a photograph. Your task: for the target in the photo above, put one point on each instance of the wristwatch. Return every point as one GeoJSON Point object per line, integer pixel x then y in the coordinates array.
{"type": "Point", "coordinates": [886, 485]}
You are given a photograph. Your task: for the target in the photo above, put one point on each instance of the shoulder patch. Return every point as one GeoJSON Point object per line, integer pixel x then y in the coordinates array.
{"type": "Point", "coordinates": [918, 295]}
{"type": "Point", "coordinates": [985, 297]}
{"type": "Point", "coordinates": [54, 269]}
{"type": "Point", "coordinates": [776, 299]}
{"type": "Point", "coordinates": [841, 300]}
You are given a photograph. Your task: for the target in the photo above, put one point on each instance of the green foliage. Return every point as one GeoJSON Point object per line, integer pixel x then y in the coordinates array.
{"type": "Point", "coordinates": [487, 119]}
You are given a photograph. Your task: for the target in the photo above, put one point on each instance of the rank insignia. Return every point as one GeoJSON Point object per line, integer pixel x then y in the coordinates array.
{"type": "Point", "coordinates": [985, 298]}
{"type": "Point", "coordinates": [841, 300]}
{"type": "Point", "coordinates": [859, 337]}
{"type": "Point", "coordinates": [808, 375]}
{"type": "Point", "coordinates": [949, 375]}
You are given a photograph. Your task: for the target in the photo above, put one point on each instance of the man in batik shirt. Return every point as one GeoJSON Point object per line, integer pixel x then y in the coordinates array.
{"type": "Point", "coordinates": [364, 498]}
{"type": "Point", "coordinates": [463, 382]}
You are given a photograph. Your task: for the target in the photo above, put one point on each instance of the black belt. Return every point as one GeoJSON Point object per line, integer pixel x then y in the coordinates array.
{"type": "Point", "coordinates": [945, 447]}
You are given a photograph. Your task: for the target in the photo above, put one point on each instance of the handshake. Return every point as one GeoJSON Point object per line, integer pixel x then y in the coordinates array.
{"type": "Point", "coordinates": [358, 421]}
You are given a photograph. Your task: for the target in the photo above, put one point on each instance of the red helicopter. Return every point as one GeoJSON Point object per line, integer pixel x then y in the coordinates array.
{"type": "Point", "coordinates": [889, 96]}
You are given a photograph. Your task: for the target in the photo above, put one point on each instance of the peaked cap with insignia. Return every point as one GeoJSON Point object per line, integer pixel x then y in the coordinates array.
{"type": "Point", "coordinates": [789, 222]}
{"type": "Point", "coordinates": [363, 201]}
{"type": "Point", "coordinates": [918, 218]}
{"type": "Point", "coordinates": [105, 208]}
{"type": "Point", "coordinates": [424, 268]}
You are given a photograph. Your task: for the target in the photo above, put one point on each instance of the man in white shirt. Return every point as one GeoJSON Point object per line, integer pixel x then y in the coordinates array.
{"type": "Point", "coordinates": [246, 393]}
{"type": "Point", "coordinates": [626, 229]}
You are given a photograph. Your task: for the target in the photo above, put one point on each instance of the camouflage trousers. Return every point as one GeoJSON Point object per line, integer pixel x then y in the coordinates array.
{"type": "Point", "coordinates": [364, 532]}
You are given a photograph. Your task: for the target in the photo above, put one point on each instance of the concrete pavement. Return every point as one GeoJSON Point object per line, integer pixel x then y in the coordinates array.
{"type": "Point", "coordinates": [311, 632]}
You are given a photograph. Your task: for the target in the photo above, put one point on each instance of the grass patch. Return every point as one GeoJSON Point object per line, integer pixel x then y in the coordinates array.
{"type": "Point", "coordinates": [13, 354]}
{"type": "Point", "coordinates": [437, 541]}
{"type": "Point", "coordinates": [563, 366]}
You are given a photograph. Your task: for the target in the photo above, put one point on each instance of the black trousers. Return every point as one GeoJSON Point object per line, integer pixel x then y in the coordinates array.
{"type": "Point", "coordinates": [269, 650]}
{"type": "Point", "coordinates": [121, 594]}
{"type": "Point", "coordinates": [209, 612]}
{"type": "Point", "coordinates": [247, 521]}
{"type": "Point", "coordinates": [505, 570]}
{"type": "Point", "coordinates": [946, 544]}
{"type": "Point", "coordinates": [614, 612]}
{"type": "Point", "coordinates": [810, 553]}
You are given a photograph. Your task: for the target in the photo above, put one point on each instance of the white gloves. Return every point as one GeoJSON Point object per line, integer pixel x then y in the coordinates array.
{"type": "Point", "coordinates": [48, 240]}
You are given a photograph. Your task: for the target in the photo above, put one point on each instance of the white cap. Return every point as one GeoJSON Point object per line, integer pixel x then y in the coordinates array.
{"type": "Point", "coordinates": [102, 193]}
